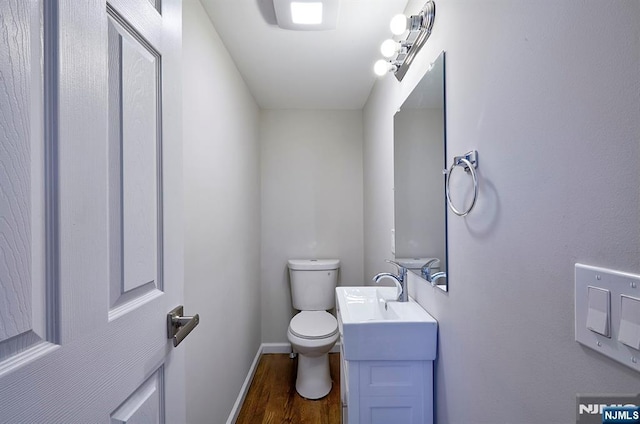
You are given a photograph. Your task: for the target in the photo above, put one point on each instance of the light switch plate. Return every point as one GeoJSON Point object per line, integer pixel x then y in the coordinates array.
{"type": "Point", "coordinates": [618, 284]}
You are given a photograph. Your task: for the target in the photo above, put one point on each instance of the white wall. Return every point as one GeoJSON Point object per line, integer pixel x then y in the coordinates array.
{"type": "Point", "coordinates": [222, 210]}
{"type": "Point", "coordinates": [311, 173]}
{"type": "Point", "coordinates": [547, 92]}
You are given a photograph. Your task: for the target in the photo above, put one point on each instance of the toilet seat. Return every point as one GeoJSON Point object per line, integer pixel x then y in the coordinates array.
{"type": "Point", "coordinates": [313, 325]}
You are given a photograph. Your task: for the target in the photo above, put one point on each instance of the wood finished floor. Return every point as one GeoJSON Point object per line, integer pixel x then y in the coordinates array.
{"type": "Point", "coordinates": [272, 397]}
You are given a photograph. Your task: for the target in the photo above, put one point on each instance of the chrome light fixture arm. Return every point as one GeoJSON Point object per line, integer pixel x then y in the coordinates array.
{"type": "Point", "coordinates": [419, 29]}
{"type": "Point", "coordinates": [426, 18]}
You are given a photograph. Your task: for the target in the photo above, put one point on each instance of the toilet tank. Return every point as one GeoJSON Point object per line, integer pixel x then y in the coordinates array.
{"type": "Point", "coordinates": [313, 283]}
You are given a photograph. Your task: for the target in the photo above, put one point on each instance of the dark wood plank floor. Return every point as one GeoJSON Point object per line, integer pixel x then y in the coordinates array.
{"type": "Point", "coordinates": [272, 397]}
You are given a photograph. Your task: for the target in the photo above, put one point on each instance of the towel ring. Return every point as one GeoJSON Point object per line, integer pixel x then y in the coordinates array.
{"type": "Point", "coordinates": [469, 166]}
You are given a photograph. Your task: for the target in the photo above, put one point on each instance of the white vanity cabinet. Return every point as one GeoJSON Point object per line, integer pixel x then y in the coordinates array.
{"type": "Point", "coordinates": [379, 383]}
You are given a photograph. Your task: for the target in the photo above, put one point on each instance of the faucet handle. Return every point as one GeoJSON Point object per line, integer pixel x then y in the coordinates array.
{"type": "Point", "coordinates": [398, 265]}
{"type": "Point", "coordinates": [426, 268]}
{"type": "Point", "coordinates": [429, 262]}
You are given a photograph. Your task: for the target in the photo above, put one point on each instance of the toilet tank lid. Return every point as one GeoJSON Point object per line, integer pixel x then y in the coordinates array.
{"type": "Point", "coordinates": [313, 264]}
{"type": "Point", "coordinates": [413, 263]}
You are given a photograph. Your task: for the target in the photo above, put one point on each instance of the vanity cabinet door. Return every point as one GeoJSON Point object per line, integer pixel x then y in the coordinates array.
{"type": "Point", "coordinates": [399, 392]}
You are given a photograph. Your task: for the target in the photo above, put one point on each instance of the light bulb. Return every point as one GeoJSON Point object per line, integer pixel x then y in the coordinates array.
{"type": "Point", "coordinates": [398, 24]}
{"type": "Point", "coordinates": [381, 67]}
{"type": "Point", "coordinates": [389, 48]}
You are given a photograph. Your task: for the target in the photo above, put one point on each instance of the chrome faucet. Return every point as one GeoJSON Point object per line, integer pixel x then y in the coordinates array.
{"type": "Point", "coordinates": [426, 269]}
{"type": "Point", "coordinates": [427, 275]}
{"type": "Point", "coordinates": [400, 280]}
{"type": "Point", "coordinates": [435, 277]}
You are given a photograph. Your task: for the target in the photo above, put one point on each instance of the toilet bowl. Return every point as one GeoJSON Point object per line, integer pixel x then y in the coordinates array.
{"type": "Point", "coordinates": [313, 331]}
{"type": "Point", "coordinates": [312, 334]}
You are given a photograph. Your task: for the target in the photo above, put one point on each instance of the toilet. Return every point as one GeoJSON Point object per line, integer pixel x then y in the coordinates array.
{"type": "Point", "coordinates": [313, 331]}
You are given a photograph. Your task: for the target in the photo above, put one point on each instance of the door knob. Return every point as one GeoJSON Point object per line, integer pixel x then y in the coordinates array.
{"type": "Point", "coordinates": [179, 326]}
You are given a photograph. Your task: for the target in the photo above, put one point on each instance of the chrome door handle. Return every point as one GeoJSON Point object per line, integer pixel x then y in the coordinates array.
{"type": "Point", "coordinates": [179, 326]}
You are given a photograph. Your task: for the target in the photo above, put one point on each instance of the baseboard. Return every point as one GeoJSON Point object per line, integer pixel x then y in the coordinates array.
{"type": "Point", "coordinates": [235, 411]}
{"type": "Point", "coordinates": [264, 348]}
{"type": "Point", "coordinates": [286, 348]}
{"type": "Point", "coordinates": [276, 348]}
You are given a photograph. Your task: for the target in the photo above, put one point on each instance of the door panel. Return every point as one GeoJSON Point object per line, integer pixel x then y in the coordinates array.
{"type": "Point", "coordinates": [23, 312]}
{"type": "Point", "coordinates": [90, 212]}
{"type": "Point", "coordinates": [15, 162]}
{"type": "Point", "coordinates": [145, 405]}
{"type": "Point", "coordinates": [139, 170]}
{"type": "Point", "coordinates": [135, 165]}
{"type": "Point", "coordinates": [155, 4]}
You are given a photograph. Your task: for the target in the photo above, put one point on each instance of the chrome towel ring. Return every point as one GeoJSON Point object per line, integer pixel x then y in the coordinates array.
{"type": "Point", "coordinates": [470, 162]}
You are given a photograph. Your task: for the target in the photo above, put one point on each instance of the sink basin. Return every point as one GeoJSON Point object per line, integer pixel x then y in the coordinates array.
{"type": "Point", "coordinates": [376, 327]}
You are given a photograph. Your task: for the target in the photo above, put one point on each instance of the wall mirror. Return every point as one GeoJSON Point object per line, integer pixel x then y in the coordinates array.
{"type": "Point", "coordinates": [419, 183]}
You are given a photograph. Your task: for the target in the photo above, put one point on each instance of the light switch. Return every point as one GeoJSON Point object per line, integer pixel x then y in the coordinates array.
{"type": "Point", "coordinates": [629, 333]}
{"type": "Point", "coordinates": [598, 312]}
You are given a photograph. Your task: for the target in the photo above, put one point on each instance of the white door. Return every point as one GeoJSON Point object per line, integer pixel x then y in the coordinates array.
{"type": "Point", "coordinates": [91, 256]}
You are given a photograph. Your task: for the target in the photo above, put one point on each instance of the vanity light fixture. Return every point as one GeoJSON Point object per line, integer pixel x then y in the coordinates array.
{"type": "Point", "coordinates": [402, 53]}
{"type": "Point", "coordinates": [306, 15]}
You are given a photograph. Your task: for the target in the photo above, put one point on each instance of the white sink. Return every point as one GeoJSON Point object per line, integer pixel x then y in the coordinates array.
{"type": "Point", "coordinates": [376, 327]}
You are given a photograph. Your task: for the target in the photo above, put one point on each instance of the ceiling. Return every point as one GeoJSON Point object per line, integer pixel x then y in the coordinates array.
{"type": "Point", "coordinates": [287, 69]}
